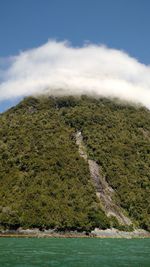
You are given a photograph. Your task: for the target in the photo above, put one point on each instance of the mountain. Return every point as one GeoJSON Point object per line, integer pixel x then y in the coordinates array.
{"type": "Point", "coordinates": [75, 163]}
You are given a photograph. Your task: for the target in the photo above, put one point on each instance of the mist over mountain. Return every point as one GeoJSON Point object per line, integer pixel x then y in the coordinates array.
{"type": "Point", "coordinates": [57, 68]}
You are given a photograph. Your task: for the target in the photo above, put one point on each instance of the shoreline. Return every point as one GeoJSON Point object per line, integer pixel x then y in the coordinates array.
{"type": "Point", "coordinates": [97, 233]}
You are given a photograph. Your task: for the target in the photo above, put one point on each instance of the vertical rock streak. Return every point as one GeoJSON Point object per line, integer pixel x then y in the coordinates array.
{"type": "Point", "coordinates": [103, 191]}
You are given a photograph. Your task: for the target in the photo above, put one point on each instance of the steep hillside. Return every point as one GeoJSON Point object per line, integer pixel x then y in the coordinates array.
{"type": "Point", "coordinates": [44, 180]}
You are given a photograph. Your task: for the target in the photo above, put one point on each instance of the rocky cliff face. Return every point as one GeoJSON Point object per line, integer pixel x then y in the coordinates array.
{"type": "Point", "coordinates": [103, 191]}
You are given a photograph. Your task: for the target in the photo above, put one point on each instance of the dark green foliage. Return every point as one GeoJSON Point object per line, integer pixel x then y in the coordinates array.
{"type": "Point", "coordinates": [43, 180]}
{"type": "Point", "coordinates": [118, 138]}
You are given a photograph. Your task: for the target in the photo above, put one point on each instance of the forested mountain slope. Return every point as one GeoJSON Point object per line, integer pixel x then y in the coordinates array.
{"type": "Point", "coordinates": [44, 182]}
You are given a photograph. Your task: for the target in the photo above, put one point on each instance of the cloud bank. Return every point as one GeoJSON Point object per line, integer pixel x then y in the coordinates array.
{"type": "Point", "coordinates": [57, 68]}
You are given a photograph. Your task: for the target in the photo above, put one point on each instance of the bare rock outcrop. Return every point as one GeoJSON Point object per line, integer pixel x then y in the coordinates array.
{"type": "Point", "coordinates": [103, 191]}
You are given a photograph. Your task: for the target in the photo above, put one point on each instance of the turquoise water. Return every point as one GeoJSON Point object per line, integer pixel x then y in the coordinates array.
{"type": "Point", "coordinates": [76, 252]}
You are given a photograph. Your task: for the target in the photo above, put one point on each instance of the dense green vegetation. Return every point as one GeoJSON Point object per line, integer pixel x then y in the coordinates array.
{"type": "Point", "coordinates": [43, 180]}
{"type": "Point", "coordinates": [118, 138]}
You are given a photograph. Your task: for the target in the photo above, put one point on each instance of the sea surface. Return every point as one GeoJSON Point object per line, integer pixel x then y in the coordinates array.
{"type": "Point", "coordinates": [74, 252]}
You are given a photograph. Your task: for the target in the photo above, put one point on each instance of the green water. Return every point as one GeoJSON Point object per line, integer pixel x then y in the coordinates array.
{"type": "Point", "coordinates": [76, 252]}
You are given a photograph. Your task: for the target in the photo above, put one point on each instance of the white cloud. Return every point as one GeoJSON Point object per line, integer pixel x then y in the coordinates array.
{"type": "Point", "coordinates": [58, 68]}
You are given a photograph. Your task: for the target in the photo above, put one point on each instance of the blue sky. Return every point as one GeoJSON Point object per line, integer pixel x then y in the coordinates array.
{"type": "Point", "coordinates": [120, 24]}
